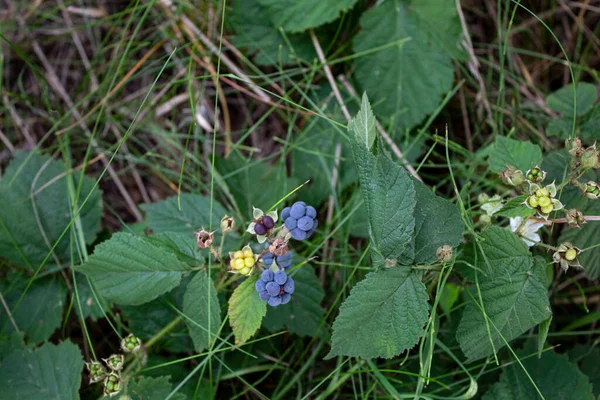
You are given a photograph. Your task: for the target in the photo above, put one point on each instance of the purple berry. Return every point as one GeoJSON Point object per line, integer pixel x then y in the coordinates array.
{"type": "Point", "coordinates": [285, 298]}
{"type": "Point", "coordinates": [274, 301]}
{"type": "Point", "coordinates": [311, 212]}
{"type": "Point", "coordinates": [305, 223]}
{"type": "Point", "coordinates": [285, 213]}
{"type": "Point", "coordinates": [268, 222]}
{"type": "Point", "coordinates": [273, 288]}
{"type": "Point", "coordinates": [264, 295]}
{"type": "Point", "coordinates": [298, 210]}
{"type": "Point", "coordinates": [298, 234]}
{"type": "Point", "coordinates": [289, 286]}
{"type": "Point", "coordinates": [267, 276]}
{"type": "Point", "coordinates": [291, 223]}
{"type": "Point", "coordinates": [260, 285]}
{"type": "Point", "coordinates": [280, 277]}
{"type": "Point", "coordinates": [260, 229]}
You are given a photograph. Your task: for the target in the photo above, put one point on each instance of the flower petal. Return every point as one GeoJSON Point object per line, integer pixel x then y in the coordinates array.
{"type": "Point", "coordinates": [257, 212]}
{"type": "Point", "coordinates": [251, 228]}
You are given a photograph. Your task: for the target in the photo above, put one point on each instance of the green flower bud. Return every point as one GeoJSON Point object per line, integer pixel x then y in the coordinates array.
{"type": "Point", "coordinates": [112, 385]}
{"type": "Point", "coordinates": [575, 218]}
{"type": "Point", "coordinates": [590, 158]}
{"type": "Point", "coordinates": [512, 176]}
{"type": "Point", "coordinates": [131, 343]}
{"type": "Point", "coordinates": [591, 191]}
{"type": "Point", "coordinates": [97, 372]}
{"type": "Point", "coordinates": [227, 224]}
{"type": "Point", "coordinates": [535, 175]}
{"type": "Point", "coordinates": [566, 256]}
{"type": "Point", "coordinates": [115, 362]}
{"type": "Point", "coordinates": [444, 253]}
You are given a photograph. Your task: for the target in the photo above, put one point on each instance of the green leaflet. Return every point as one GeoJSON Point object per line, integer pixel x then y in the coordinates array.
{"type": "Point", "coordinates": [298, 16]}
{"type": "Point", "coordinates": [128, 270]}
{"type": "Point", "coordinates": [40, 311]}
{"type": "Point", "coordinates": [437, 223]}
{"type": "Point", "coordinates": [562, 100]}
{"type": "Point", "coordinates": [513, 304]}
{"type": "Point", "coordinates": [515, 208]}
{"type": "Point", "coordinates": [383, 316]}
{"type": "Point", "coordinates": [201, 305]}
{"type": "Point", "coordinates": [586, 236]}
{"type": "Point", "coordinates": [553, 374]}
{"type": "Point", "coordinates": [408, 79]}
{"type": "Point", "coordinates": [246, 310]}
{"type": "Point", "coordinates": [33, 223]}
{"type": "Point", "coordinates": [145, 388]}
{"type": "Point", "coordinates": [165, 215]}
{"type": "Point", "coordinates": [363, 124]}
{"type": "Point", "coordinates": [586, 357]}
{"type": "Point", "coordinates": [303, 314]}
{"type": "Point", "coordinates": [48, 373]}
{"type": "Point", "coordinates": [520, 154]}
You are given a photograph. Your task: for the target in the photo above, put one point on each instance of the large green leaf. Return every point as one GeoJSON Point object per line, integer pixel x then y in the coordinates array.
{"type": "Point", "coordinates": [553, 374]}
{"type": "Point", "coordinates": [48, 373]}
{"type": "Point", "coordinates": [388, 193]}
{"type": "Point", "coordinates": [437, 223]}
{"type": "Point", "coordinates": [303, 315]}
{"type": "Point", "coordinates": [584, 237]}
{"type": "Point", "coordinates": [166, 216]}
{"type": "Point", "coordinates": [407, 80]}
{"type": "Point", "coordinates": [145, 388]}
{"type": "Point", "coordinates": [513, 304]}
{"type": "Point", "coordinates": [128, 270]}
{"type": "Point", "coordinates": [201, 305]}
{"type": "Point", "coordinates": [261, 36]}
{"type": "Point", "coordinates": [520, 154]}
{"type": "Point", "coordinates": [246, 310]}
{"type": "Point", "coordinates": [298, 16]}
{"type": "Point", "coordinates": [40, 311]}
{"type": "Point", "coordinates": [562, 100]}
{"type": "Point", "coordinates": [586, 357]}
{"type": "Point", "coordinates": [35, 210]}
{"type": "Point", "coordinates": [498, 253]}
{"type": "Point", "coordinates": [383, 316]}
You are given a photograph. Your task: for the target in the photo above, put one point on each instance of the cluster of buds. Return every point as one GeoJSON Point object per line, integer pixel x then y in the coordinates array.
{"type": "Point", "coordinates": [566, 256]}
{"type": "Point", "coordinates": [543, 200]}
{"type": "Point", "coordinates": [111, 378]}
{"type": "Point", "coordinates": [242, 261]}
{"type": "Point", "coordinates": [591, 190]}
{"type": "Point", "coordinates": [535, 175]}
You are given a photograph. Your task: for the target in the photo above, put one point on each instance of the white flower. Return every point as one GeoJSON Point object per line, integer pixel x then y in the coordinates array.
{"type": "Point", "coordinates": [527, 231]}
{"type": "Point", "coordinates": [493, 205]}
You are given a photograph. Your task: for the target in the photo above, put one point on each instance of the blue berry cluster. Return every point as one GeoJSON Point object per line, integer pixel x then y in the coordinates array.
{"type": "Point", "coordinates": [300, 219]}
{"type": "Point", "coordinates": [284, 261]}
{"type": "Point", "coordinates": [275, 287]}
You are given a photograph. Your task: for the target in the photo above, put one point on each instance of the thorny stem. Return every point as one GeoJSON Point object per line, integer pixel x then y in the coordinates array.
{"type": "Point", "coordinates": [564, 220]}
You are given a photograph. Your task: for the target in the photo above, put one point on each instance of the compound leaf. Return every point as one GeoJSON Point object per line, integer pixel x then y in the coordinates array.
{"type": "Point", "coordinates": [128, 270]}
{"type": "Point", "coordinates": [246, 310]}
{"type": "Point", "coordinates": [383, 316]}
{"type": "Point", "coordinates": [201, 305]}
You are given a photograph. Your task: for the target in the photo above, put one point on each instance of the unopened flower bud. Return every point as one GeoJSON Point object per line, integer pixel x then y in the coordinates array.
{"type": "Point", "coordinates": [566, 256]}
{"type": "Point", "coordinates": [574, 218]}
{"type": "Point", "coordinates": [535, 175]}
{"type": "Point", "coordinates": [112, 385]}
{"type": "Point", "coordinates": [590, 158]}
{"type": "Point", "coordinates": [512, 176]}
{"type": "Point", "coordinates": [227, 224]}
{"type": "Point", "coordinates": [204, 238]}
{"type": "Point", "coordinates": [485, 219]}
{"type": "Point", "coordinates": [574, 146]}
{"type": "Point", "coordinates": [483, 198]}
{"type": "Point", "coordinates": [115, 362]}
{"type": "Point", "coordinates": [97, 372]}
{"type": "Point", "coordinates": [591, 191]}
{"type": "Point", "coordinates": [444, 253]}
{"type": "Point", "coordinates": [131, 343]}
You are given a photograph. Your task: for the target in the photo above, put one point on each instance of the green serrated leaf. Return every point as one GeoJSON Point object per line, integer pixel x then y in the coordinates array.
{"type": "Point", "coordinates": [298, 16]}
{"type": "Point", "coordinates": [543, 330]}
{"type": "Point", "coordinates": [363, 124]}
{"type": "Point", "coordinates": [35, 210]}
{"type": "Point", "coordinates": [262, 37]}
{"type": "Point", "coordinates": [407, 80]}
{"type": "Point", "coordinates": [584, 237]}
{"type": "Point", "coordinates": [500, 253]}
{"type": "Point", "coordinates": [11, 344]}
{"type": "Point", "coordinates": [165, 215]}
{"type": "Point", "coordinates": [183, 245]}
{"type": "Point", "coordinates": [506, 152]}
{"type": "Point", "coordinates": [559, 127]}
{"type": "Point", "coordinates": [145, 388]}
{"type": "Point", "coordinates": [513, 304]}
{"type": "Point", "coordinates": [246, 310]}
{"type": "Point", "coordinates": [49, 373]}
{"type": "Point", "coordinates": [303, 314]}
{"type": "Point", "coordinates": [200, 303]}
{"type": "Point", "coordinates": [40, 311]}
{"type": "Point", "coordinates": [437, 223]}
{"type": "Point", "coordinates": [586, 357]}
{"type": "Point", "coordinates": [553, 374]}
{"type": "Point", "coordinates": [383, 316]}
{"type": "Point", "coordinates": [128, 270]}
{"type": "Point", "coordinates": [515, 208]}
{"type": "Point", "coordinates": [562, 100]}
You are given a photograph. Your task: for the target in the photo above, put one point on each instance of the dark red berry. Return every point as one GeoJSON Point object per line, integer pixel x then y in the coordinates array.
{"type": "Point", "coordinates": [260, 229]}
{"type": "Point", "coordinates": [268, 222]}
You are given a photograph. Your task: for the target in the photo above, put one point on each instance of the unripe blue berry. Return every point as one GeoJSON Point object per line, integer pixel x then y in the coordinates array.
{"type": "Point", "coordinates": [280, 277]}
{"type": "Point", "coordinates": [267, 276]}
{"type": "Point", "coordinates": [291, 223]}
{"type": "Point", "coordinates": [298, 234]}
{"type": "Point", "coordinates": [305, 223]}
{"type": "Point", "coordinates": [298, 210]}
